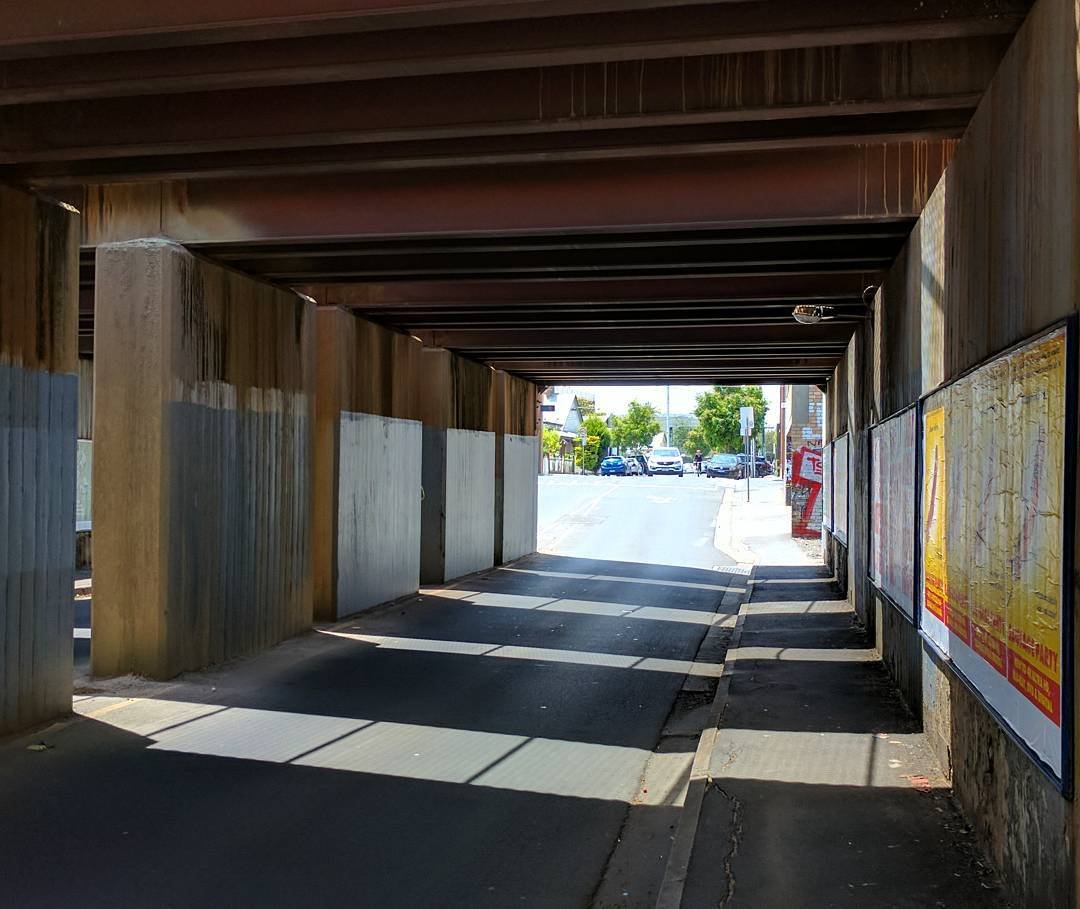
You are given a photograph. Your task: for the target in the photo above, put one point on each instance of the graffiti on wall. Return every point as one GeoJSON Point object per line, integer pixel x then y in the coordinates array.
{"type": "Point", "coordinates": [806, 500]}
{"type": "Point", "coordinates": [993, 488]}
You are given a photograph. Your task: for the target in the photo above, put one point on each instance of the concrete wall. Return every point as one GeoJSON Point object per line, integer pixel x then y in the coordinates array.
{"type": "Point", "coordinates": [458, 511]}
{"type": "Point", "coordinates": [516, 492]}
{"type": "Point", "coordinates": [517, 441]}
{"type": "Point", "coordinates": [994, 258]}
{"type": "Point", "coordinates": [203, 424]}
{"type": "Point", "coordinates": [38, 417]}
{"type": "Point", "coordinates": [457, 534]}
{"type": "Point", "coordinates": [378, 510]}
{"type": "Point", "coordinates": [367, 457]}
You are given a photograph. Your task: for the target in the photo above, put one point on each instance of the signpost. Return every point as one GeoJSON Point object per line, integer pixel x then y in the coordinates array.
{"type": "Point", "coordinates": [746, 424]}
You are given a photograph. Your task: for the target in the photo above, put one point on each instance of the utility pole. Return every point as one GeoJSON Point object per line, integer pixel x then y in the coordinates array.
{"type": "Point", "coordinates": [746, 423]}
{"type": "Point", "coordinates": [667, 435]}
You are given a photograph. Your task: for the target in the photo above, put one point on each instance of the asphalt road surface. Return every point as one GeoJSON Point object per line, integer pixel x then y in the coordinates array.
{"type": "Point", "coordinates": [660, 520]}
{"type": "Point", "coordinates": [517, 739]}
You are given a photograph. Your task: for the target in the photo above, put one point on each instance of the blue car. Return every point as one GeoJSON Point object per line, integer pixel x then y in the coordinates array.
{"type": "Point", "coordinates": [614, 466]}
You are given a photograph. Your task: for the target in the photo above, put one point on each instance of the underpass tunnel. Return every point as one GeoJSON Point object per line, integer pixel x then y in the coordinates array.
{"type": "Point", "coordinates": [280, 300]}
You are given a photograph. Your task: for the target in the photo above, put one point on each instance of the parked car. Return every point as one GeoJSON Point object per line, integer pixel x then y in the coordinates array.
{"type": "Point", "coordinates": [641, 462]}
{"type": "Point", "coordinates": [634, 466]}
{"type": "Point", "coordinates": [614, 466]}
{"type": "Point", "coordinates": [762, 467]}
{"type": "Point", "coordinates": [666, 460]}
{"type": "Point", "coordinates": [723, 465]}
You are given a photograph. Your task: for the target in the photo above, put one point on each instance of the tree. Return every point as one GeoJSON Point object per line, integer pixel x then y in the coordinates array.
{"type": "Point", "coordinates": [589, 453]}
{"type": "Point", "coordinates": [637, 427]}
{"type": "Point", "coordinates": [718, 411]}
{"type": "Point", "coordinates": [695, 439]}
{"type": "Point", "coordinates": [595, 427]}
{"type": "Point", "coordinates": [551, 441]}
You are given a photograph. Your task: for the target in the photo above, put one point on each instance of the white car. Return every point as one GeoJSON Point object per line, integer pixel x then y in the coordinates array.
{"type": "Point", "coordinates": [666, 460]}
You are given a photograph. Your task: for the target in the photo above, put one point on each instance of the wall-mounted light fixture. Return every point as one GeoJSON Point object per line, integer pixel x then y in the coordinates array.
{"type": "Point", "coordinates": [806, 314]}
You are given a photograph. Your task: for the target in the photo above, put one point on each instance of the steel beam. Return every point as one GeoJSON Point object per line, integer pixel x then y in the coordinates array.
{"type": "Point", "coordinates": [850, 83]}
{"type": "Point", "coordinates": [660, 292]}
{"type": "Point", "coordinates": [344, 47]}
{"type": "Point", "coordinates": [574, 338]}
{"type": "Point", "coordinates": [806, 187]}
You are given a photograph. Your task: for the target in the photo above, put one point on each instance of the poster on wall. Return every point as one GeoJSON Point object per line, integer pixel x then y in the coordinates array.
{"type": "Point", "coordinates": [840, 489]}
{"type": "Point", "coordinates": [892, 509]}
{"type": "Point", "coordinates": [993, 535]}
{"type": "Point", "coordinates": [806, 493]}
{"type": "Point", "coordinates": [826, 486]}
{"type": "Point", "coordinates": [84, 464]}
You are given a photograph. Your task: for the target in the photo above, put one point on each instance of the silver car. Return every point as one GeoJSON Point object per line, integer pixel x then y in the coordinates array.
{"type": "Point", "coordinates": [666, 460]}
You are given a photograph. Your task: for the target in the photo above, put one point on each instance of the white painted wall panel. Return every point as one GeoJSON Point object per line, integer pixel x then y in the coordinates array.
{"type": "Point", "coordinates": [378, 522]}
{"type": "Point", "coordinates": [470, 502]}
{"type": "Point", "coordinates": [521, 455]}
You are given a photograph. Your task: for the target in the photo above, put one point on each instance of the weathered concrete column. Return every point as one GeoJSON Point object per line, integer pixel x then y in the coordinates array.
{"type": "Point", "coordinates": [457, 534]}
{"type": "Point", "coordinates": [367, 465]}
{"type": "Point", "coordinates": [204, 382]}
{"type": "Point", "coordinates": [517, 459]}
{"type": "Point", "coordinates": [39, 269]}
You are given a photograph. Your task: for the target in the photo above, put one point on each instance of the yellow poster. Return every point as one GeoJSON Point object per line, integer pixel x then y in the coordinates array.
{"type": "Point", "coordinates": [989, 492]}
{"type": "Point", "coordinates": [1037, 398]}
{"type": "Point", "coordinates": [935, 595]}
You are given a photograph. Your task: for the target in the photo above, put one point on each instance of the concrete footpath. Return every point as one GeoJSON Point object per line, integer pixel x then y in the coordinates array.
{"type": "Point", "coordinates": [821, 790]}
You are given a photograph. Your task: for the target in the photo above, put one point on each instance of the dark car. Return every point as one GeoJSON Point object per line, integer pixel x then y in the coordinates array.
{"type": "Point", "coordinates": [723, 465]}
{"type": "Point", "coordinates": [614, 466]}
{"type": "Point", "coordinates": [762, 468]}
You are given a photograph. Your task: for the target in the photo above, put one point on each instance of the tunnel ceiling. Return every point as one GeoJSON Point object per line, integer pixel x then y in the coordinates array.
{"type": "Point", "coordinates": [597, 190]}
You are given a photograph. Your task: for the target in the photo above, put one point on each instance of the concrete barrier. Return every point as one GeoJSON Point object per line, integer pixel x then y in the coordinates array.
{"type": "Point", "coordinates": [458, 512]}
{"type": "Point", "coordinates": [378, 510]}
{"type": "Point", "coordinates": [516, 488]}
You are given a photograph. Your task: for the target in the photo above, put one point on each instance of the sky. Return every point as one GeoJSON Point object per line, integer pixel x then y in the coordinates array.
{"type": "Point", "coordinates": [615, 398]}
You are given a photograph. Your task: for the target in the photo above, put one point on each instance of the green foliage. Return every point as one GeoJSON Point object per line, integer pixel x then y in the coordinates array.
{"type": "Point", "coordinates": [595, 427]}
{"type": "Point", "coordinates": [770, 443]}
{"type": "Point", "coordinates": [589, 453]}
{"type": "Point", "coordinates": [681, 427]}
{"type": "Point", "coordinates": [695, 439]}
{"type": "Point", "coordinates": [550, 442]}
{"type": "Point", "coordinates": [637, 427]}
{"type": "Point", "coordinates": [718, 411]}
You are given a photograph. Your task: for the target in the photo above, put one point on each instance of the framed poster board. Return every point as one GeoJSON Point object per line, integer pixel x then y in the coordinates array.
{"type": "Point", "coordinates": [840, 489]}
{"type": "Point", "coordinates": [996, 533]}
{"type": "Point", "coordinates": [893, 503]}
{"type": "Point", "coordinates": [826, 486]}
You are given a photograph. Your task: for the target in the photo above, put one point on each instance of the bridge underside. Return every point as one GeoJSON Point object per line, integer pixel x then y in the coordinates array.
{"type": "Point", "coordinates": [603, 191]}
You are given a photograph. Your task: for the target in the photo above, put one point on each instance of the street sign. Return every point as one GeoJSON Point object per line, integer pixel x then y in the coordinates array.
{"type": "Point", "coordinates": [547, 408]}
{"type": "Point", "coordinates": [746, 420]}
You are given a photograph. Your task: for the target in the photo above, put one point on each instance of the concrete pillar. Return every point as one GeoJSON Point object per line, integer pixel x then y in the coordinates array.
{"type": "Point", "coordinates": [517, 454]}
{"type": "Point", "coordinates": [203, 402]}
{"type": "Point", "coordinates": [39, 269]}
{"type": "Point", "coordinates": [457, 534]}
{"type": "Point", "coordinates": [367, 465]}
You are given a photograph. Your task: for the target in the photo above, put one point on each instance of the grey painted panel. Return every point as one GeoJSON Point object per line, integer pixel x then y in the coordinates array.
{"type": "Point", "coordinates": [521, 454]}
{"type": "Point", "coordinates": [237, 528]}
{"type": "Point", "coordinates": [378, 514]}
{"type": "Point", "coordinates": [37, 537]}
{"type": "Point", "coordinates": [433, 506]}
{"type": "Point", "coordinates": [470, 502]}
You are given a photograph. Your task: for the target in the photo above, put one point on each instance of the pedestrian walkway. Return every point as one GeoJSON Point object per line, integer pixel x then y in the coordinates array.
{"type": "Point", "coordinates": [821, 790]}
